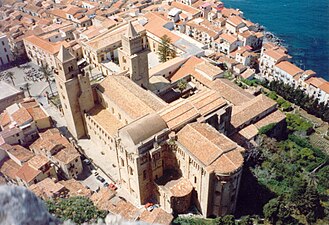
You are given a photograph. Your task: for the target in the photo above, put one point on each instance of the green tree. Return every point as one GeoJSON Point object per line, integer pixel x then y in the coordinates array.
{"type": "Point", "coordinates": [227, 220]}
{"type": "Point", "coordinates": [47, 73]}
{"type": "Point", "coordinates": [78, 209]}
{"type": "Point", "coordinates": [164, 50]}
{"type": "Point", "coordinates": [246, 220]}
{"type": "Point", "coordinates": [182, 84]}
{"type": "Point", "coordinates": [277, 213]}
{"type": "Point", "coordinates": [11, 76]}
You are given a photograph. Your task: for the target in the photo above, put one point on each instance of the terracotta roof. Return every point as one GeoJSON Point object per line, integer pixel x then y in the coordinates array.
{"type": "Point", "coordinates": [207, 69]}
{"type": "Point", "coordinates": [129, 97]}
{"type": "Point", "coordinates": [37, 113]}
{"type": "Point", "coordinates": [4, 119]}
{"type": "Point", "coordinates": [207, 101]}
{"type": "Point", "coordinates": [48, 140]}
{"type": "Point", "coordinates": [212, 149]}
{"type": "Point", "coordinates": [188, 69]}
{"type": "Point", "coordinates": [105, 119]}
{"type": "Point", "coordinates": [50, 47]}
{"type": "Point", "coordinates": [180, 187]}
{"type": "Point", "coordinates": [186, 8]}
{"type": "Point", "coordinates": [47, 188]}
{"type": "Point", "coordinates": [275, 54]}
{"type": "Point", "coordinates": [251, 109]}
{"type": "Point", "coordinates": [325, 87]}
{"type": "Point", "coordinates": [274, 117]}
{"type": "Point", "coordinates": [231, 91]}
{"type": "Point", "coordinates": [157, 216]}
{"type": "Point", "coordinates": [315, 81]}
{"type": "Point", "coordinates": [249, 132]}
{"type": "Point", "coordinates": [9, 168]}
{"type": "Point", "coordinates": [102, 198]}
{"type": "Point", "coordinates": [75, 188]}
{"type": "Point", "coordinates": [247, 73]}
{"type": "Point", "coordinates": [21, 116]}
{"type": "Point", "coordinates": [27, 173]}
{"type": "Point", "coordinates": [178, 113]}
{"type": "Point", "coordinates": [235, 20]}
{"type": "Point", "coordinates": [67, 155]}
{"type": "Point", "coordinates": [289, 68]}
{"type": "Point", "coordinates": [125, 209]}
{"type": "Point", "coordinates": [228, 37]}
{"type": "Point", "coordinates": [155, 25]}
{"type": "Point", "coordinates": [38, 161]}
{"type": "Point", "coordinates": [19, 152]}
{"type": "Point", "coordinates": [227, 12]}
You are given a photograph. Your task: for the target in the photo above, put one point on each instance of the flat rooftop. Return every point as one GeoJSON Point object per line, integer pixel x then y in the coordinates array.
{"type": "Point", "coordinates": [7, 90]}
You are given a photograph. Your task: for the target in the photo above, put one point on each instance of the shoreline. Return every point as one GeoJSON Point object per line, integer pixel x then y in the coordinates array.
{"type": "Point", "coordinates": [300, 56]}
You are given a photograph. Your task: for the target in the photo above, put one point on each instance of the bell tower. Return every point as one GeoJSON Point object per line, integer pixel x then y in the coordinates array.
{"type": "Point", "coordinates": [74, 91]}
{"type": "Point", "coordinates": [133, 56]}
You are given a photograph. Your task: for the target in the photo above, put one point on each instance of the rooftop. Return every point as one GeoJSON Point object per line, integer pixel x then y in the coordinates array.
{"type": "Point", "coordinates": [9, 168]}
{"type": "Point", "coordinates": [251, 109]}
{"type": "Point", "coordinates": [231, 91]}
{"type": "Point", "coordinates": [75, 188]}
{"type": "Point", "coordinates": [289, 68]}
{"type": "Point", "coordinates": [212, 149]}
{"type": "Point", "coordinates": [38, 161]}
{"type": "Point", "coordinates": [157, 216]}
{"type": "Point", "coordinates": [7, 90]}
{"type": "Point", "coordinates": [47, 188]}
{"type": "Point", "coordinates": [105, 119]}
{"type": "Point", "coordinates": [129, 97]}
{"type": "Point", "coordinates": [19, 152]}
{"type": "Point", "coordinates": [27, 173]}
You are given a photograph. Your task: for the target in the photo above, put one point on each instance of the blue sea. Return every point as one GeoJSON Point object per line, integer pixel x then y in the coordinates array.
{"type": "Point", "coordinates": [303, 25]}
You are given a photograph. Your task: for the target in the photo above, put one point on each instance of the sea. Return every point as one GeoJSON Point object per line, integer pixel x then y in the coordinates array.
{"type": "Point", "coordinates": [301, 25]}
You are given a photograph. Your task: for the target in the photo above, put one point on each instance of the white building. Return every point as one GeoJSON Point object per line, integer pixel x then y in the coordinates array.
{"type": "Point", "coordinates": [287, 72]}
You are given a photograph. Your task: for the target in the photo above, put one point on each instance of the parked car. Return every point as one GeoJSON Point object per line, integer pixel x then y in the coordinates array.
{"type": "Point", "coordinates": [149, 206]}
{"type": "Point", "coordinates": [101, 179]}
{"type": "Point", "coordinates": [113, 187]}
{"type": "Point", "coordinates": [87, 161]}
{"type": "Point", "coordinates": [106, 184]}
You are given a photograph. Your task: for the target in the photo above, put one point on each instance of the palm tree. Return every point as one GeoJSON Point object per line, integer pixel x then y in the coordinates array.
{"type": "Point", "coordinates": [46, 75]}
{"type": "Point", "coordinates": [11, 76]}
{"type": "Point", "coordinates": [27, 87]}
{"type": "Point", "coordinates": [182, 84]}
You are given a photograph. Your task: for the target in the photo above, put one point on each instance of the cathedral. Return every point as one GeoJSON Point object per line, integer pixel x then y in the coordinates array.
{"type": "Point", "coordinates": [173, 153]}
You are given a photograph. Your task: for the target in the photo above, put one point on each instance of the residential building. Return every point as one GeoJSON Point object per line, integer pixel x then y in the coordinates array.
{"type": "Point", "coordinates": [22, 167]}
{"type": "Point", "coordinates": [6, 55]}
{"type": "Point", "coordinates": [60, 152]}
{"type": "Point", "coordinates": [20, 122]}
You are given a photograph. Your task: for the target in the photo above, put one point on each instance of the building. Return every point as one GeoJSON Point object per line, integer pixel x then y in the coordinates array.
{"type": "Point", "coordinates": [74, 91]}
{"type": "Point", "coordinates": [66, 159]}
{"type": "Point", "coordinates": [133, 56]}
{"type": "Point", "coordinates": [214, 172]}
{"type": "Point", "coordinates": [20, 122]}
{"type": "Point", "coordinates": [9, 95]}
{"type": "Point", "coordinates": [6, 55]}
{"type": "Point", "coordinates": [24, 168]}
{"type": "Point", "coordinates": [147, 137]}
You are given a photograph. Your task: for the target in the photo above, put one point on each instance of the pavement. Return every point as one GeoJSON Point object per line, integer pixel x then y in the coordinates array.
{"type": "Point", "coordinates": [20, 78]}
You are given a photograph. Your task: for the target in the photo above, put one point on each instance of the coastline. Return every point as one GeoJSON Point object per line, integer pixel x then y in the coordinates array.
{"type": "Point", "coordinates": [305, 37]}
